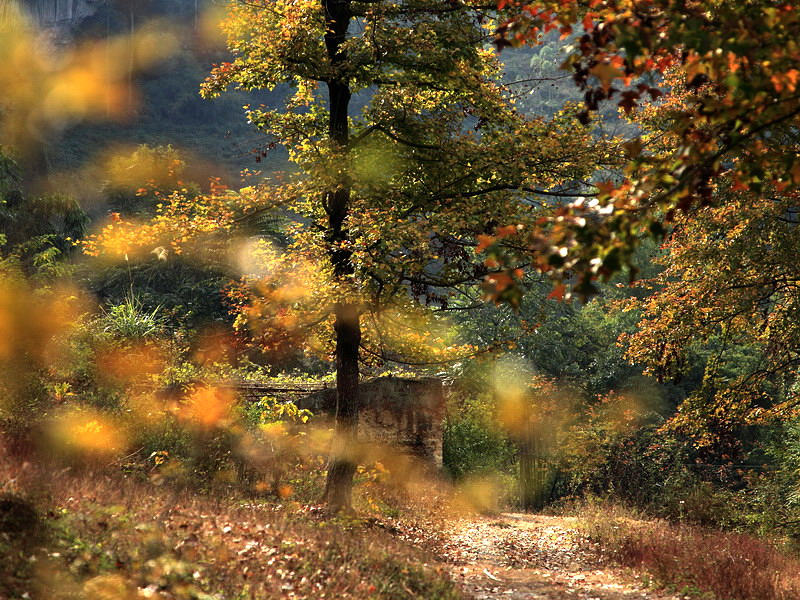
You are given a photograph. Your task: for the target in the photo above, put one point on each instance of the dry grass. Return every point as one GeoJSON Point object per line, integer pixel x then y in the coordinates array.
{"type": "Point", "coordinates": [105, 536]}
{"type": "Point", "coordinates": [731, 566]}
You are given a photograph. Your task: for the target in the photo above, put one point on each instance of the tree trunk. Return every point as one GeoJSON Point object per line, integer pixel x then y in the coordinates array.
{"type": "Point", "coordinates": [342, 465]}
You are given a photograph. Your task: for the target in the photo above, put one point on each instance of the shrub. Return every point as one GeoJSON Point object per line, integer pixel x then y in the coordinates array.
{"type": "Point", "coordinates": [617, 450]}
{"type": "Point", "coordinates": [472, 446]}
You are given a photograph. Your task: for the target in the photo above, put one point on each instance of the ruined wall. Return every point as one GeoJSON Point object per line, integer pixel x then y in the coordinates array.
{"type": "Point", "coordinates": [402, 412]}
{"type": "Point", "coordinates": [398, 411]}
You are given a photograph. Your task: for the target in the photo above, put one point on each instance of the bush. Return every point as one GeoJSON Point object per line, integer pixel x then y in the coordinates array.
{"type": "Point", "coordinates": [618, 451]}
{"type": "Point", "coordinates": [773, 492]}
{"type": "Point", "coordinates": [471, 446]}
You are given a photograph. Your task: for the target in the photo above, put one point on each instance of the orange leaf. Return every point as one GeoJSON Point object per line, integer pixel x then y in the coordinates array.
{"type": "Point", "coordinates": [558, 292]}
{"type": "Point", "coordinates": [500, 281]}
{"type": "Point", "coordinates": [606, 73]}
{"type": "Point", "coordinates": [484, 241]}
{"type": "Point", "coordinates": [506, 231]}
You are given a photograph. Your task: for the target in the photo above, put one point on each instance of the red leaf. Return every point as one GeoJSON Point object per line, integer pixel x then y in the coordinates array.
{"type": "Point", "coordinates": [558, 292]}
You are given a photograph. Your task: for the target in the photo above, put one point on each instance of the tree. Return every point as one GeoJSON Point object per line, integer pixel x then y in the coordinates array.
{"type": "Point", "coordinates": [716, 174]}
{"type": "Point", "coordinates": [740, 61]}
{"type": "Point", "coordinates": [725, 302]}
{"type": "Point", "coordinates": [407, 148]}
{"type": "Point", "coordinates": [730, 288]}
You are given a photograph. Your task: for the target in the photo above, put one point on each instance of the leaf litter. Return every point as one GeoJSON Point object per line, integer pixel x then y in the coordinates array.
{"type": "Point", "coordinates": [534, 557]}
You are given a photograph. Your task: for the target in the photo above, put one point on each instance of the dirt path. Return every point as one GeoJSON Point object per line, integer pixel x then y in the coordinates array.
{"type": "Point", "coordinates": [522, 556]}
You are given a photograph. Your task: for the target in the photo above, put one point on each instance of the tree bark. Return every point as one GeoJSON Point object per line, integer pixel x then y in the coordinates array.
{"type": "Point", "coordinates": [342, 465]}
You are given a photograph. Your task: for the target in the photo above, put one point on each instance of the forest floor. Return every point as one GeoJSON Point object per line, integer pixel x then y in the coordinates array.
{"type": "Point", "coordinates": [535, 557]}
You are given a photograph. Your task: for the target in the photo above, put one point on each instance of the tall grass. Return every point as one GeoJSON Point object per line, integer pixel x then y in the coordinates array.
{"type": "Point", "coordinates": [130, 321]}
{"type": "Point", "coordinates": [732, 566]}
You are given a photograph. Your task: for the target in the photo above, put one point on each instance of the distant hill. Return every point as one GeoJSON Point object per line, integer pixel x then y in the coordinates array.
{"type": "Point", "coordinates": [169, 109]}
{"type": "Point", "coordinates": [215, 134]}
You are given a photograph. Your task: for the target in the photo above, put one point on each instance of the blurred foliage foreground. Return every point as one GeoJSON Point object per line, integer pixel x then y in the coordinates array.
{"type": "Point", "coordinates": [126, 474]}
{"type": "Point", "coordinates": [130, 470]}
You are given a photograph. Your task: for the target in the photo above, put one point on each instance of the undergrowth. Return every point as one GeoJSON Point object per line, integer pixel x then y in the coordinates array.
{"type": "Point", "coordinates": [688, 558]}
{"type": "Point", "coordinates": [104, 536]}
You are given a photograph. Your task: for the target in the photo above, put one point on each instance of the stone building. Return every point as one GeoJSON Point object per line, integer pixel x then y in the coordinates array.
{"type": "Point", "coordinates": [406, 413]}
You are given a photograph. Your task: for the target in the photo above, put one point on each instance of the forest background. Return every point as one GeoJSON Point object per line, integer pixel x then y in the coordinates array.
{"type": "Point", "coordinates": [658, 372]}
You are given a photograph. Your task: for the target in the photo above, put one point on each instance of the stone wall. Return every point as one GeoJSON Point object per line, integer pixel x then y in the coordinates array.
{"type": "Point", "coordinates": [397, 411]}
